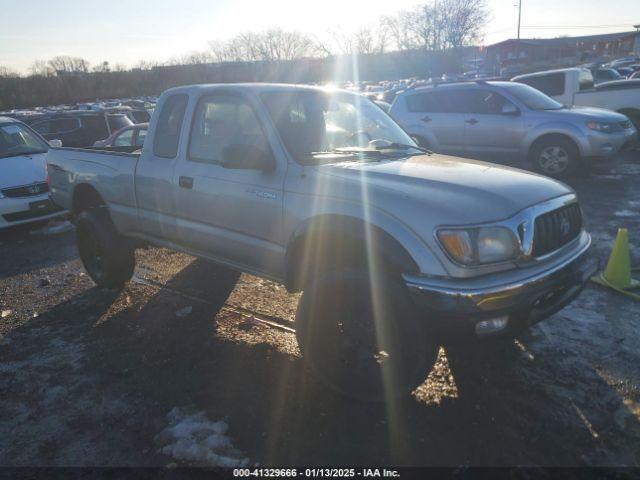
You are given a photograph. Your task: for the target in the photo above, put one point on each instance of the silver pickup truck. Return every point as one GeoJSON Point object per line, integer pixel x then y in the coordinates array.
{"type": "Point", "coordinates": [392, 245]}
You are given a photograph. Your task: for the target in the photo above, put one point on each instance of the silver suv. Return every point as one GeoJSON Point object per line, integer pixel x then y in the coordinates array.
{"type": "Point", "coordinates": [514, 119]}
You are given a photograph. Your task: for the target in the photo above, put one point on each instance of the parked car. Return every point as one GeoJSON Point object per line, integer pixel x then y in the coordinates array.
{"type": "Point", "coordinates": [324, 192]}
{"type": "Point", "coordinates": [132, 136]}
{"type": "Point", "coordinates": [605, 75]}
{"type": "Point", "coordinates": [515, 119]}
{"type": "Point", "coordinates": [79, 128]}
{"type": "Point", "coordinates": [575, 86]}
{"type": "Point", "coordinates": [24, 189]}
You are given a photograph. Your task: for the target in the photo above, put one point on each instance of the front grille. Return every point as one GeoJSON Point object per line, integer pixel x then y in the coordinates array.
{"type": "Point", "coordinates": [26, 190]}
{"type": "Point", "coordinates": [556, 228]}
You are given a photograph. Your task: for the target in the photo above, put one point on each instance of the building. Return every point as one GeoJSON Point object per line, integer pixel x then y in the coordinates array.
{"type": "Point", "coordinates": [512, 51]}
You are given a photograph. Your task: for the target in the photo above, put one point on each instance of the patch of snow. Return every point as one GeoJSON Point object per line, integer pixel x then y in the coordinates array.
{"type": "Point", "coordinates": [626, 213]}
{"type": "Point", "coordinates": [183, 312]}
{"type": "Point", "coordinates": [634, 203]}
{"type": "Point", "coordinates": [193, 438]}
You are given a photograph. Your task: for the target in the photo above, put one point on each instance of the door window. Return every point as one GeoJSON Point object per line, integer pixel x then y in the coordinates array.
{"type": "Point", "coordinates": [95, 125]}
{"type": "Point", "coordinates": [221, 121]}
{"type": "Point", "coordinates": [63, 125]}
{"type": "Point", "coordinates": [142, 134]}
{"type": "Point", "coordinates": [125, 139]}
{"type": "Point", "coordinates": [551, 84]}
{"type": "Point", "coordinates": [169, 125]}
{"type": "Point", "coordinates": [482, 102]}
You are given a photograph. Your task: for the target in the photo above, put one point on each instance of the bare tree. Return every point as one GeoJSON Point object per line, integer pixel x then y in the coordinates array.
{"type": "Point", "coordinates": [64, 65]}
{"type": "Point", "coordinates": [365, 40]}
{"type": "Point", "coordinates": [270, 45]}
{"type": "Point", "coordinates": [6, 72]}
{"type": "Point", "coordinates": [438, 25]}
{"type": "Point", "coordinates": [102, 67]}
{"type": "Point", "coordinates": [462, 21]}
{"type": "Point", "coordinates": [41, 68]}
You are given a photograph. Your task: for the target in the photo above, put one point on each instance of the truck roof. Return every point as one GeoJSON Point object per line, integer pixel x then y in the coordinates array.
{"type": "Point", "coordinates": [546, 72]}
{"type": "Point", "coordinates": [254, 87]}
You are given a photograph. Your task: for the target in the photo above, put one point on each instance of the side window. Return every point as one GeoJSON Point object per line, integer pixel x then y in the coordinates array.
{"type": "Point", "coordinates": [142, 134]}
{"type": "Point", "coordinates": [551, 84]}
{"type": "Point", "coordinates": [167, 135]}
{"type": "Point", "coordinates": [63, 125]}
{"type": "Point", "coordinates": [422, 102]}
{"type": "Point", "coordinates": [125, 139]}
{"type": "Point", "coordinates": [41, 127]}
{"type": "Point", "coordinates": [483, 102]}
{"type": "Point", "coordinates": [221, 121]}
{"type": "Point", "coordinates": [585, 80]}
{"type": "Point", "coordinates": [96, 125]}
{"type": "Point", "coordinates": [449, 101]}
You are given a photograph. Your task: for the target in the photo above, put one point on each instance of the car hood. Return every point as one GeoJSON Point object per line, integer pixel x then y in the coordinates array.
{"type": "Point", "coordinates": [589, 114]}
{"type": "Point", "coordinates": [22, 170]}
{"type": "Point", "coordinates": [447, 190]}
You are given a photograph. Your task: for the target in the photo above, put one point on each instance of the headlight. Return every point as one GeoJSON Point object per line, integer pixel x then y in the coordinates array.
{"type": "Point", "coordinates": [606, 127]}
{"type": "Point", "coordinates": [479, 246]}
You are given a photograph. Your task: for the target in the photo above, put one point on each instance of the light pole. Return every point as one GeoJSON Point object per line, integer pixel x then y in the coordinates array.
{"type": "Point", "coordinates": [519, 16]}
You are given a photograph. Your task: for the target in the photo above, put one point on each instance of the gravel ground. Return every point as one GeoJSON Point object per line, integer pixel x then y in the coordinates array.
{"type": "Point", "coordinates": [176, 369]}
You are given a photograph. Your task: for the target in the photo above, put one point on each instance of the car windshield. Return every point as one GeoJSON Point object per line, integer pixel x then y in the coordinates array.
{"type": "Point", "coordinates": [313, 123]}
{"type": "Point", "coordinates": [532, 98]}
{"type": "Point", "coordinates": [16, 139]}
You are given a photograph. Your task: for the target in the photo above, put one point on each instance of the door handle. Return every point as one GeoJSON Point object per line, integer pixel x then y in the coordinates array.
{"type": "Point", "coordinates": [185, 182]}
{"type": "Point", "coordinates": [426, 119]}
{"type": "Point", "coordinates": [471, 121]}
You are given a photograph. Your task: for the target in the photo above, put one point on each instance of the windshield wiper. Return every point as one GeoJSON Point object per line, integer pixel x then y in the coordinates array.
{"type": "Point", "coordinates": [402, 146]}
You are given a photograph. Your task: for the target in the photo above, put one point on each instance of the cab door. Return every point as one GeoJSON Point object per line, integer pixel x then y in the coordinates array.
{"type": "Point", "coordinates": [231, 211]}
{"type": "Point", "coordinates": [155, 190]}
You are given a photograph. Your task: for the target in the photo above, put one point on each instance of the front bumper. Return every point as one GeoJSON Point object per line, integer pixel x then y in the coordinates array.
{"type": "Point", "coordinates": [21, 210]}
{"type": "Point", "coordinates": [458, 309]}
{"type": "Point", "coordinates": [603, 147]}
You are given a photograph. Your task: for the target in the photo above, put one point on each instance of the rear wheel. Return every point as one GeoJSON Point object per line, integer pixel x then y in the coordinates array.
{"type": "Point", "coordinates": [556, 157]}
{"type": "Point", "coordinates": [107, 256]}
{"type": "Point", "coordinates": [361, 337]}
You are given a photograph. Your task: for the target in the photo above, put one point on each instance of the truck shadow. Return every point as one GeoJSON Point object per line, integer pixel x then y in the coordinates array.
{"type": "Point", "coordinates": [280, 415]}
{"type": "Point", "coordinates": [136, 347]}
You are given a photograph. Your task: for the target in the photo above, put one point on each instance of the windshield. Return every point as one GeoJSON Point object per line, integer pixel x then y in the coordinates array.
{"type": "Point", "coordinates": [16, 139]}
{"type": "Point", "coordinates": [311, 123]}
{"type": "Point", "coordinates": [532, 98]}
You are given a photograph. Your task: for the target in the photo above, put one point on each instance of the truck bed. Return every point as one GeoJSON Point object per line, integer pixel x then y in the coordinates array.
{"type": "Point", "coordinates": [108, 170]}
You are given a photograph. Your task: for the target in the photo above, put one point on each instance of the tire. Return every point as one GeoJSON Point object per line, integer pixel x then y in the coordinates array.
{"type": "Point", "coordinates": [107, 256]}
{"type": "Point", "coordinates": [362, 355]}
{"type": "Point", "coordinates": [556, 157]}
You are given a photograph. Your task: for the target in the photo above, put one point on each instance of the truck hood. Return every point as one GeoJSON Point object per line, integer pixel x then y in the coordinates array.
{"type": "Point", "coordinates": [452, 190]}
{"type": "Point", "coordinates": [588, 114]}
{"type": "Point", "coordinates": [22, 170]}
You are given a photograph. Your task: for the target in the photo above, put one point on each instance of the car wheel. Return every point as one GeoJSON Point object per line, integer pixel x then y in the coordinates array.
{"type": "Point", "coordinates": [107, 256]}
{"type": "Point", "coordinates": [363, 339]}
{"type": "Point", "coordinates": [555, 157]}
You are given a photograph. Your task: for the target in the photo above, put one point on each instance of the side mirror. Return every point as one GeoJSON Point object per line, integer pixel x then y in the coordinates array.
{"type": "Point", "coordinates": [510, 109]}
{"type": "Point", "coordinates": [55, 143]}
{"type": "Point", "coordinates": [247, 157]}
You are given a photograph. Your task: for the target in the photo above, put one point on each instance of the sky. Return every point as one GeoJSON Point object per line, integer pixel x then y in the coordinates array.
{"type": "Point", "coordinates": [127, 31]}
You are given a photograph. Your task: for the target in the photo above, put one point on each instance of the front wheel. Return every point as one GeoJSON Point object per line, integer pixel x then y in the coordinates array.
{"type": "Point", "coordinates": [107, 256]}
{"type": "Point", "coordinates": [362, 337]}
{"type": "Point", "coordinates": [556, 157]}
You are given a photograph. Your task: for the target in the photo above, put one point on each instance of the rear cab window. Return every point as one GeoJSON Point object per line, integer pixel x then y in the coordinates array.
{"type": "Point", "coordinates": [169, 126]}
{"type": "Point", "coordinates": [552, 84]}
